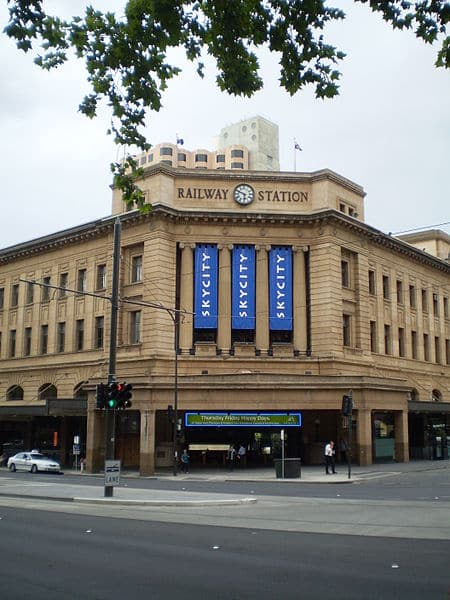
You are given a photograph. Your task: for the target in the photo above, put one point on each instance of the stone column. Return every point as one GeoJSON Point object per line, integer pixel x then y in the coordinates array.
{"type": "Point", "coordinates": [147, 443]}
{"type": "Point", "coordinates": [95, 438]}
{"type": "Point", "coordinates": [262, 299]}
{"type": "Point", "coordinates": [299, 290]}
{"type": "Point", "coordinates": [364, 437]}
{"type": "Point", "coordinates": [186, 297]}
{"type": "Point", "coordinates": [224, 320]}
{"type": "Point", "coordinates": [401, 436]}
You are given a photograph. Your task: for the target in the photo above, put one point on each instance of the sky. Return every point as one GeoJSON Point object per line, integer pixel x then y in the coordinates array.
{"type": "Point", "coordinates": [388, 131]}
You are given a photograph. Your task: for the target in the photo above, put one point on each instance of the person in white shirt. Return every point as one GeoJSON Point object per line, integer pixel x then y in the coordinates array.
{"type": "Point", "coordinates": [329, 458]}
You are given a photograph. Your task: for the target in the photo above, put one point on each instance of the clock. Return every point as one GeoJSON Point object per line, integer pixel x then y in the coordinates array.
{"type": "Point", "coordinates": [244, 194]}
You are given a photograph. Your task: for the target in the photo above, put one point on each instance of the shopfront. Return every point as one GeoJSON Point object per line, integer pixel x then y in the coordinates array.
{"type": "Point", "coordinates": [209, 435]}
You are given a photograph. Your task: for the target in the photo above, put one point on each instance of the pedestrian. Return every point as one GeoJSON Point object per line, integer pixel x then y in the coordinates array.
{"type": "Point", "coordinates": [185, 461]}
{"type": "Point", "coordinates": [329, 458]}
{"type": "Point", "coordinates": [231, 457]}
{"type": "Point", "coordinates": [241, 454]}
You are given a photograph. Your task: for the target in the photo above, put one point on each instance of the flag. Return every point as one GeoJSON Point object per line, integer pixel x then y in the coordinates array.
{"type": "Point", "coordinates": [297, 147]}
{"type": "Point", "coordinates": [180, 141]}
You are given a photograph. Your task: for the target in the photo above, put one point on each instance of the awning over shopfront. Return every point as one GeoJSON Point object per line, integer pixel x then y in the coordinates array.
{"type": "Point", "coordinates": [429, 407]}
{"type": "Point", "coordinates": [53, 407]}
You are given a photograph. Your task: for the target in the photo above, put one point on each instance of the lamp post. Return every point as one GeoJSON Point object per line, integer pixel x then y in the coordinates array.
{"type": "Point", "coordinates": [176, 319]}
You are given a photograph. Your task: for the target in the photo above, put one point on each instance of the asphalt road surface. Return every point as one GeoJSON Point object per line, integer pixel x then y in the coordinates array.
{"type": "Point", "coordinates": [52, 555]}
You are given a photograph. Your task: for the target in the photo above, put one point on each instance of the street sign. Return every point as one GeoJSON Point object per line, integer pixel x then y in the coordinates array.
{"type": "Point", "coordinates": [76, 449]}
{"type": "Point", "coordinates": [112, 473]}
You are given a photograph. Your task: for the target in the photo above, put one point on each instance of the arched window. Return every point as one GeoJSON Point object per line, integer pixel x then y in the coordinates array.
{"type": "Point", "coordinates": [47, 391]}
{"type": "Point", "coordinates": [80, 392]}
{"type": "Point", "coordinates": [14, 393]}
{"type": "Point", "coordinates": [436, 396]}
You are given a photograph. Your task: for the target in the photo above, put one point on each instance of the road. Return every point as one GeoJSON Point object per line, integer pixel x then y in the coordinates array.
{"type": "Point", "coordinates": [56, 555]}
{"type": "Point", "coordinates": [387, 537]}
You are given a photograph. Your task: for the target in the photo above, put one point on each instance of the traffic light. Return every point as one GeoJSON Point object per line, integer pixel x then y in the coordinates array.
{"type": "Point", "coordinates": [124, 395]}
{"type": "Point", "coordinates": [347, 405]}
{"type": "Point", "coordinates": [100, 396]}
{"type": "Point", "coordinates": [111, 395]}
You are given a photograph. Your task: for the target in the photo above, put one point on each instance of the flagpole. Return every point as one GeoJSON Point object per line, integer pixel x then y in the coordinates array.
{"type": "Point", "coordinates": [295, 155]}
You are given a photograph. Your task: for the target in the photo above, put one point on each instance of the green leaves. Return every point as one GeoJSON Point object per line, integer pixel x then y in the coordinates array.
{"type": "Point", "coordinates": [126, 57]}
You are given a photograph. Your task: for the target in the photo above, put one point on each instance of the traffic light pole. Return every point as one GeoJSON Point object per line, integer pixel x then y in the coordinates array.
{"type": "Point", "coordinates": [349, 436]}
{"type": "Point", "coordinates": [176, 319]}
{"type": "Point", "coordinates": [110, 415]}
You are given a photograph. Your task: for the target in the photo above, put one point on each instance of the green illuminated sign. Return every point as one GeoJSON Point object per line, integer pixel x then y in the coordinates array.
{"type": "Point", "coordinates": [243, 419]}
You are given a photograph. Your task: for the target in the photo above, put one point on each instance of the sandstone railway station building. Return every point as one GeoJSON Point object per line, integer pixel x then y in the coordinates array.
{"type": "Point", "coordinates": [288, 298]}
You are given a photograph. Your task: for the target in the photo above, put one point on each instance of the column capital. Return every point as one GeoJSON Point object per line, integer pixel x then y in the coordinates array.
{"type": "Point", "coordinates": [186, 245]}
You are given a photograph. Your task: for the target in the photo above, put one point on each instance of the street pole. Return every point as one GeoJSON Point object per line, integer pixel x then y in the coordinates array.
{"type": "Point", "coordinates": [349, 437]}
{"type": "Point", "coordinates": [282, 454]}
{"type": "Point", "coordinates": [175, 318]}
{"type": "Point", "coordinates": [110, 415]}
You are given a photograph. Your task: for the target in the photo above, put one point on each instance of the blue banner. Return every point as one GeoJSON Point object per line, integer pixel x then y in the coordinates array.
{"type": "Point", "coordinates": [280, 288]}
{"type": "Point", "coordinates": [206, 277]}
{"type": "Point", "coordinates": [243, 288]}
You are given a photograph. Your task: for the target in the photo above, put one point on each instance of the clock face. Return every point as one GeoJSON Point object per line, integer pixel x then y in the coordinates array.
{"type": "Point", "coordinates": [244, 194]}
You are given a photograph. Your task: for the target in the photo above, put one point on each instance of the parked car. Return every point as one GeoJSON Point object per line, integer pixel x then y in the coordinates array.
{"type": "Point", "coordinates": [33, 462]}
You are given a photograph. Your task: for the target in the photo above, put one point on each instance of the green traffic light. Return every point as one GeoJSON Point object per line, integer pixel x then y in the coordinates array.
{"type": "Point", "coordinates": [112, 403]}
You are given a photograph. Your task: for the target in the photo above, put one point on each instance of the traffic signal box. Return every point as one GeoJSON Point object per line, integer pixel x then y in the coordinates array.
{"type": "Point", "coordinates": [114, 396]}
{"type": "Point", "coordinates": [100, 396]}
{"type": "Point", "coordinates": [347, 405]}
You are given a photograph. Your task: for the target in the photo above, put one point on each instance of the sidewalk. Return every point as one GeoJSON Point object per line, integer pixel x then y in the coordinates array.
{"type": "Point", "coordinates": [309, 474]}
{"type": "Point", "coordinates": [36, 488]}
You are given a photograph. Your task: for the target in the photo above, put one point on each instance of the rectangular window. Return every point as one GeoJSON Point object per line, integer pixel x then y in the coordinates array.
{"type": "Point", "coordinates": [447, 352]}
{"type": "Point", "coordinates": [12, 343]}
{"type": "Point", "coordinates": [30, 293]}
{"type": "Point", "coordinates": [412, 296]}
{"type": "Point", "coordinates": [46, 290]}
{"type": "Point", "coordinates": [135, 327]}
{"type": "Point", "coordinates": [446, 313]}
{"type": "Point", "coordinates": [372, 283]}
{"type": "Point", "coordinates": [15, 296]}
{"type": "Point", "coordinates": [99, 331]}
{"type": "Point", "coordinates": [435, 305]}
{"type": "Point", "coordinates": [386, 291]}
{"type": "Point", "coordinates": [437, 349]}
{"type": "Point", "coordinates": [27, 342]}
{"type": "Point", "coordinates": [79, 334]}
{"type": "Point", "coordinates": [61, 337]}
{"type": "Point", "coordinates": [401, 341]}
{"type": "Point", "coordinates": [399, 291]}
{"type": "Point", "coordinates": [136, 269]}
{"type": "Point", "coordinates": [346, 337]}
{"type": "Point", "coordinates": [424, 301]}
{"type": "Point", "coordinates": [414, 344]}
{"type": "Point", "coordinates": [44, 339]}
{"type": "Point", "coordinates": [345, 274]}
{"type": "Point", "coordinates": [387, 339]}
{"type": "Point", "coordinates": [373, 336]}
{"type": "Point", "coordinates": [2, 298]}
{"type": "Point", "coordinates": [101, 277]}
{"type": "Point", "coordinates": [81, 281]}
{"type": "Point", "coordinates": [426, 347]}
{"type": "Point", "coordinates": [63, 279]}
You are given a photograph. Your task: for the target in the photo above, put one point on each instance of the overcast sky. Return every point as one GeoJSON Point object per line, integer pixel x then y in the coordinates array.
{"type": "Point", "coordinates": [389, 130]}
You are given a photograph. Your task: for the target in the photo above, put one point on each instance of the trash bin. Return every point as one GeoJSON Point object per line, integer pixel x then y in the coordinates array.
{"type": "Point", "coordinates": [292, 468]}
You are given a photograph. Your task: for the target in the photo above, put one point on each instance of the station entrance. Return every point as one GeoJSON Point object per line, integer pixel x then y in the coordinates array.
{"type": "Point", "coordinates": [255, 437]}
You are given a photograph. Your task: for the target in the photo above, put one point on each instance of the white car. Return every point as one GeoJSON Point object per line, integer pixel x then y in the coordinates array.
{"type": "Point", "coordinates": [33, 462]}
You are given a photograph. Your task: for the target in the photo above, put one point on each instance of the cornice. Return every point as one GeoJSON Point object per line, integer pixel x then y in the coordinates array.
{"type": "Point", "coordinates": [103, 227]}
{"type": "Point", "coordinates": [249, 176]}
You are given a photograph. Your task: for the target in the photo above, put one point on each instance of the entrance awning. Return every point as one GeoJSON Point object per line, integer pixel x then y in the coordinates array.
{"type": "Point", "coordinates": [429, 407]}
{"type": "Point", "coordinates": [53, 407]}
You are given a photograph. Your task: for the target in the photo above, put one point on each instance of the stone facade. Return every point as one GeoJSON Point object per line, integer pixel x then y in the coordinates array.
{"type": "Point", "coordinates": [370, 314]}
